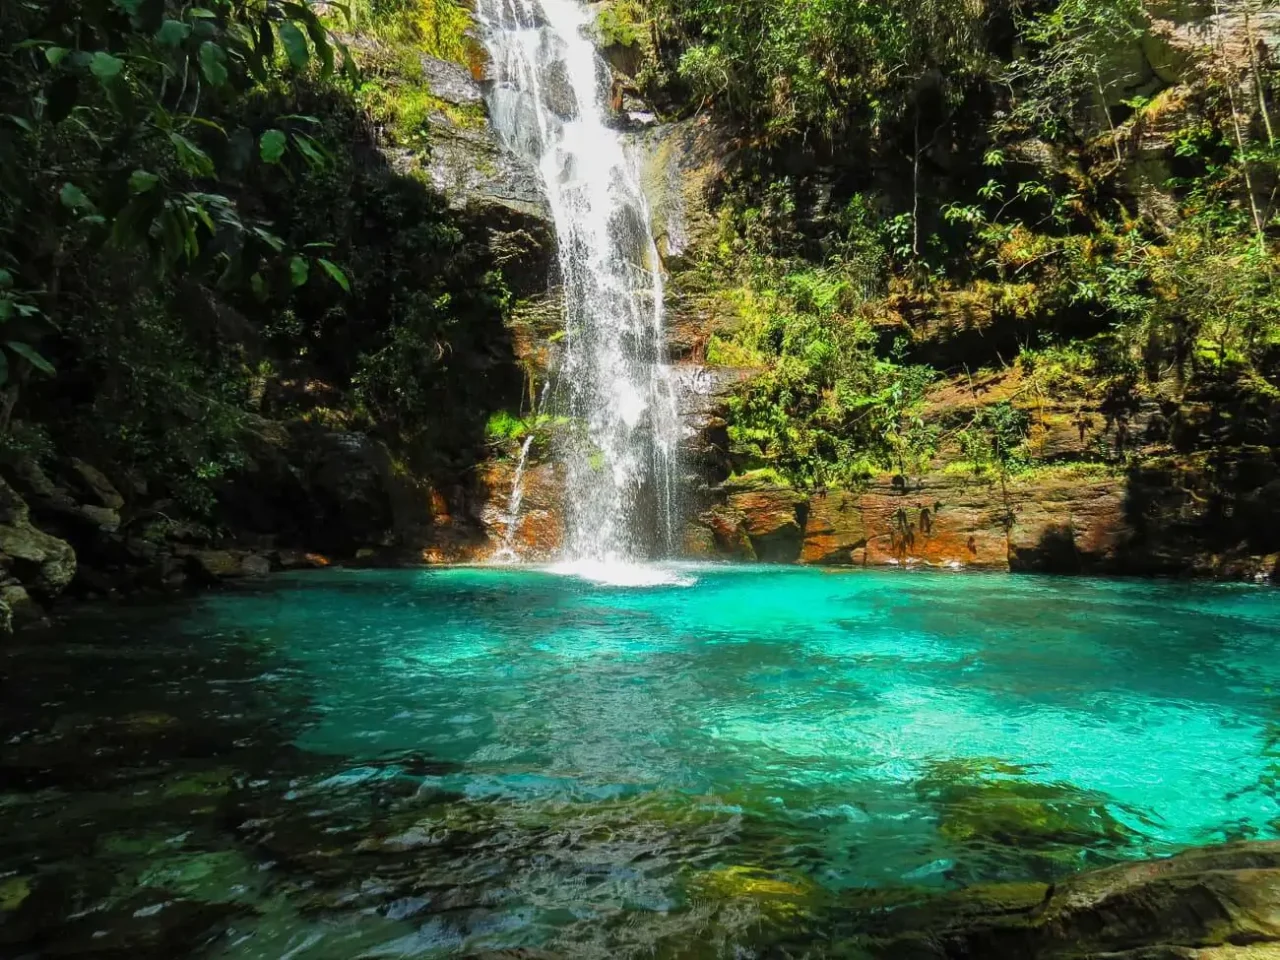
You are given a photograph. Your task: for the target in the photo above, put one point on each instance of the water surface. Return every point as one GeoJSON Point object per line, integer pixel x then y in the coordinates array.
{"type": "Point", "coordinates": [454, 762]}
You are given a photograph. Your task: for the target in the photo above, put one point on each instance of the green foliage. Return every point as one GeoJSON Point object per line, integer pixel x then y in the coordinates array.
{"type": "Point", "coordinates": [621, 24]}
{"type": "Point", "coordinates": [505, 427]}
{"type": "Point", "coordinates": [825, 409]}
{"type": "Point", "coordinates": [995, 440]}
{"type": "Point", "coordinates": [197, 231]}
{"type": "Point", "coordinates": [438, 28]}
{"type": "Point", "coordinates": [826, 65]}
{"type": "Point", "coordinates": [1083, 51]}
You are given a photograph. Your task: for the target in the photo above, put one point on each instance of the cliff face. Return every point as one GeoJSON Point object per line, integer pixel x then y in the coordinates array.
{"type": "Point", "coordinates": [1140, 473]}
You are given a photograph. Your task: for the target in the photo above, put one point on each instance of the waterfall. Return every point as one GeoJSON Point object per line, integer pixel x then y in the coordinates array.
{"type": "Point", "coordinates": [507, 552]}
{"type": "Point", "coordinates": [613, 383]}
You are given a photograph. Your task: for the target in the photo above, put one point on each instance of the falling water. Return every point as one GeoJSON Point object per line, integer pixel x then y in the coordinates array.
{"type": "Point", "coordinates": [547, 101]}
{"type": "Point", "coordinates": [507, 552]}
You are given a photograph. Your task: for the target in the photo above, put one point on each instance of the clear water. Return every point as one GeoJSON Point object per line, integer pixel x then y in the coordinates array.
{"type": "Point", "coordinates": [721, 763]}
{"type": "Point", "coordinates": [547, 101]}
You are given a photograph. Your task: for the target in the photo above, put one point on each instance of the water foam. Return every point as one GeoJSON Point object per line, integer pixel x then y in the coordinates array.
{"type": "Point", "coordinates": [620, 573]}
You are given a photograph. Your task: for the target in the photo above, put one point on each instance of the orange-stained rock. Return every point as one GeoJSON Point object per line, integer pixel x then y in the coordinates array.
{"type": "Point", "coordinates": [728, 533]}
{"type": "Point", "coordinates": [835, 533]}
{"type": "Point", "coordinates": [1067, 524]}
{"type": "Point", "coordinates": [540, 520]}
{"type": "Point", "coordinates": [1051, 521]}
{"type": "Point", "coordinates": [773, 520]}
{"type": "Point", "coordinates": [940, 519]}
{"type": "Point", "coordinates": [699, 543]}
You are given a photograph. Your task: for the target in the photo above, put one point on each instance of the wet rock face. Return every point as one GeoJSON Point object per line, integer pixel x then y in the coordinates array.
{"type": "Point", "coordinates": [1051, 522]}
{"type": "Point", "coordinates": [496, 189]}
{"type": "Point", "coordinates": [940, 520]}
{"type": "Point", "coordinates": [680, 165]}
{"type": "Point", "coordinates": [501, 191]}
{"type": "Point", "coordinates": [1211, 902]}
{"type": "Point", "coordinates": [450, 81]}
{"type": "Point", "coordinates": [539, 528]}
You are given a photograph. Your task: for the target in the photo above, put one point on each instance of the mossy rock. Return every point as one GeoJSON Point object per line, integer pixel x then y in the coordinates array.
{"type": "Point", "coordinates": [209, 784]}
{"type": "Point", "coordinates": [222, 876]}
{"type": "Point", "coordinates": [990, 802]}
{"type": "Point", "coordinates": [775, 895]}
{"type": "Point", "coordinates": [1197, 905]}
{"type": "Point", "coordinates": [14, 893]}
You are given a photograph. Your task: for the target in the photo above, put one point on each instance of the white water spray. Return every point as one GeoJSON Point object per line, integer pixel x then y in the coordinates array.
{"type": "Point", "coordinates": [547, 101]}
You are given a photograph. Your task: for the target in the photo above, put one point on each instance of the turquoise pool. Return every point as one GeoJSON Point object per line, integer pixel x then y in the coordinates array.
{"type": "Point", "coordinates": [699, 761]}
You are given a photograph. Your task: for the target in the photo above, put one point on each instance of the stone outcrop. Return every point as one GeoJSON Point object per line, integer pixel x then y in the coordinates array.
{"type": "Point", "coordinates": [680, 164]}
{"type": "Point", "coordinates": [539, 525]}
{"type": "Point", "coordinates": [1061, 521]}
{"type": "Point", "coordinates": [32, 563]}
{"type": "Point", "coordinates": [480, 177]}
{"type": "Point", "coordinates": [1209, 903]}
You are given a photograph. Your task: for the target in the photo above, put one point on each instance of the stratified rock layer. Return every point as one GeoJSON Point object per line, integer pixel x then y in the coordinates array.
{"type": "Point", "coordinates": [1053, 521]}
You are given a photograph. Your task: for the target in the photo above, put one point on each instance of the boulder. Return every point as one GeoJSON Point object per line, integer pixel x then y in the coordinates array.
{"type": "Point", "coordinates": [255, 567]}
{"type": "Point", "coordinates": [91, 508]}
{"type": "Point", "coordinates": [557, 91]}
{"type": "Point", "coordinates": [99, 490]}
{"type": "Point", "coordinates": [43, 564]}
{"type": "Point", "coordinates": [1218, 902]}
{"type": "Point", "coordinates": [21, 609]}
{"type": "Point", "coordinates": [450, 81]}
{"type": "Point", "coordinates": [213, 566]}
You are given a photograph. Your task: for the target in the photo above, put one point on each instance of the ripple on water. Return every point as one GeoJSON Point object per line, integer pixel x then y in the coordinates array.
{"type": "Point", "coordinates": [419, 763]}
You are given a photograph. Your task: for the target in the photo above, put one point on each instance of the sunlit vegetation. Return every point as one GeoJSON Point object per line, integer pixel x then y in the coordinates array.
{"type": "Point", "coordinates": [198, 231]}
{"type": "Point", "coordinates": [1018, 165]}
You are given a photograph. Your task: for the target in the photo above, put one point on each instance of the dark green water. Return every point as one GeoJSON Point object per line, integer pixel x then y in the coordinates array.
{"type": "Point", "coordinates": [455, 762]}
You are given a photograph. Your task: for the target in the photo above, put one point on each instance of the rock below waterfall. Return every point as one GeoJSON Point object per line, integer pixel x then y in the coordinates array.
{"type": "Point", "coordinates": [557, 91]}
{"type": "Point", "coordinates": [450, 81]}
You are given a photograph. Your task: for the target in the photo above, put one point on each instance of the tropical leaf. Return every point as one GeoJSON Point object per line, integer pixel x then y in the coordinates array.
{"type": "Point", "coordinates": [310, 149]}
{"type": "Point", "coordinates": [105, 67]}
{"type": "Point", "coordinates": [140, 181]}
{"type": "Point", "coordinates": [73, 198]}
{"type": "Point", "coordinates": [271, 146]}
{"type": "Point", "coordinates": [192, 158]}
{"type": "Point", "coordinates": [335, 273]}
{"type": "Point", "coordinates": [172, 33]}
{"type": "Point", "coordinates": [213, 63]}
{"type": "Point", "coordinates": [299, 270]}
{"type": "Point", "coordinates": [31, 355]}
{"type": "Point", "coordinates": [295, 45]}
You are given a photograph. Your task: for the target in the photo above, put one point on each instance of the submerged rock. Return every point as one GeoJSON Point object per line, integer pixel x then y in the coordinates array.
{"type": "Point", "coordinates": [1211, 902]}
{"type": "Point", "coordinates": [986, 803]}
